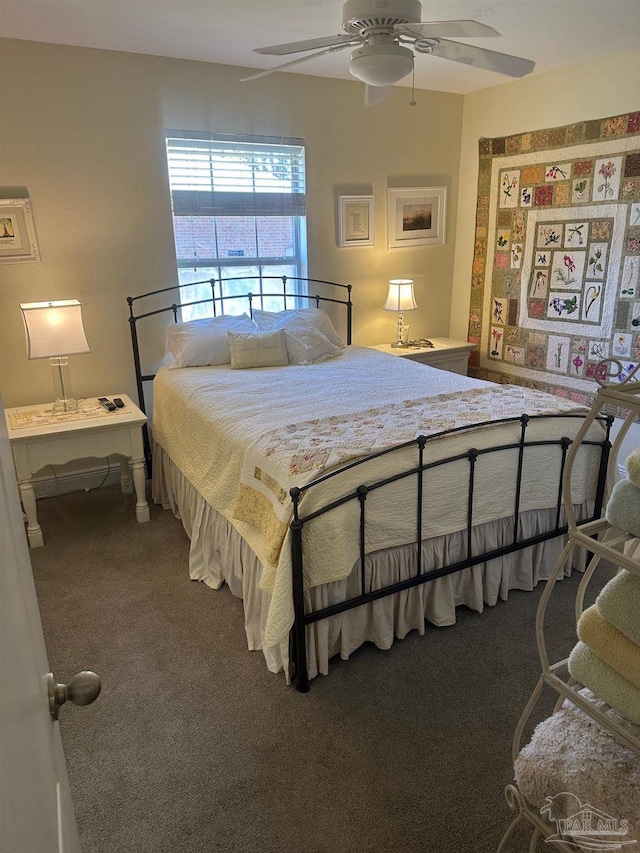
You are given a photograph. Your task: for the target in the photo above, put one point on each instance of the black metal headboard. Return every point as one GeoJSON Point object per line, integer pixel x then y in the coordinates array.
{"type": "Point", "coordinates": [290, 300]}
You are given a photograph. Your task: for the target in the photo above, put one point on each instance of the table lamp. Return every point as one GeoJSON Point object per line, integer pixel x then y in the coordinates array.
{"type": "Point", "coordinates": [54, 330]}
{"type": "Point", "coordinates": [400, 298]}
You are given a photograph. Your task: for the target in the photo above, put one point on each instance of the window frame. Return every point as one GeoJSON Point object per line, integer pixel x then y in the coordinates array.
{"type": "Point", "coordinates": [265, 265]}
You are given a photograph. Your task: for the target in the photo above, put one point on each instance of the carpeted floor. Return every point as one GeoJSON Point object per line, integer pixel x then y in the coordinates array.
{"type": "Point", "coordinates": [195, 747]}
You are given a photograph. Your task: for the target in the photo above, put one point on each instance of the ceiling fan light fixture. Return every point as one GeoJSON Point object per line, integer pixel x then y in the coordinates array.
{"type": "Point", "coordinates": [381, 64]}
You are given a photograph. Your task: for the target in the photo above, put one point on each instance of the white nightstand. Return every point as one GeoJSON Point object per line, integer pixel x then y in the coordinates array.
{"type": "Point", "coordinates": [446, 354]}
{"type": "Point", "coordinates": [38, 440]}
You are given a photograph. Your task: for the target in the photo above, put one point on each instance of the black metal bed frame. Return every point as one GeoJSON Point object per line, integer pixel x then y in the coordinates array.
{"type": "Point", "coordinates": [303, 617]}
{"type": "Point", "coordinates": [216, 301]}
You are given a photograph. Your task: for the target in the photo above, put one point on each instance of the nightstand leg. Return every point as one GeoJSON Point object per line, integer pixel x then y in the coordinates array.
{"type": "Point", "coordinates": [28, 498]}
{"type": "Point", "coordinates": [126, 479]}
{"type": "Point", "coordinates": [142, 507]}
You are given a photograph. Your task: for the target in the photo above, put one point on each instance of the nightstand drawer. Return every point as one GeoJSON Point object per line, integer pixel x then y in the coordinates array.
{"type": "Point", "coordinates": [446, 354]}
{"type": "Point", "coordinates": [454, 362]}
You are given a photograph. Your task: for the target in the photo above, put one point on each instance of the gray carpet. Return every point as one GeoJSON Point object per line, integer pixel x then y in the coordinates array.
{"type": "Point", "coordinates": [194, 746]}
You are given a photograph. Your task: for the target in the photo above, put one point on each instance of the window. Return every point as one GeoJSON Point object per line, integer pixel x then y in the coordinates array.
{"type": "Point", "coordinates": [238, 211]}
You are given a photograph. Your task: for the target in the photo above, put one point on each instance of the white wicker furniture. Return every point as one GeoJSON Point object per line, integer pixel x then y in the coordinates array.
{"type": "Point", "coordinates": [577, 731]}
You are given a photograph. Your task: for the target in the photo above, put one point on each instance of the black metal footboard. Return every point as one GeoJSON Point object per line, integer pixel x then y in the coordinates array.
{"type": "Point", "coordinates": [423, 464]}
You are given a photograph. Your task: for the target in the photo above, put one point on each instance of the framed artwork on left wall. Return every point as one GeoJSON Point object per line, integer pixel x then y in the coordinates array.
{"type": "Point", "coordinates": [355, 220]}
{"type": "Point", "coordinates": [18, 244]}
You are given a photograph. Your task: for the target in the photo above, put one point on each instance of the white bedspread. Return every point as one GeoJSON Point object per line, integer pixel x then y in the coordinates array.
{"type": "Point", "coordinates": [208, 419]}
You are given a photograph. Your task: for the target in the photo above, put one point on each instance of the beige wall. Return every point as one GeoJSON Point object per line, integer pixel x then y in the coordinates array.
{"type": "Point", "coordinates": [598, 89]}
{"type": "Point", "coordinates": [83, 131]}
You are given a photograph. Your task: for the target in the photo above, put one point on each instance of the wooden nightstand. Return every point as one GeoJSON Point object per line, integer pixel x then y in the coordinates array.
{"type": "Point", "coordinates": [446, 354]}
{"type": "Point", "coordinates": [37, 440]}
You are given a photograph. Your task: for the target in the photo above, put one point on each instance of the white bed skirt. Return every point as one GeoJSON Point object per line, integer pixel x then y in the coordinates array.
{"type": "Point", "coordinates": [218, 554]}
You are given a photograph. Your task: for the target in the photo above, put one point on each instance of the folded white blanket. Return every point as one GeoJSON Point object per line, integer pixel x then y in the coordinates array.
{"type": "Point", "coordinates": [601, 679]}
{"type": "Point", "coordinates": [619, 603]}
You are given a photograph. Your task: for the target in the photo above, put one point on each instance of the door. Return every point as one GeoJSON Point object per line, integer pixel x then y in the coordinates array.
{"type": "Point", "coordinates": [36, 812]}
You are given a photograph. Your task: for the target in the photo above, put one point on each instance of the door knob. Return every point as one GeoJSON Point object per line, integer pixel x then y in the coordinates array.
{"type": "Point", "coordinates": [83, 689]}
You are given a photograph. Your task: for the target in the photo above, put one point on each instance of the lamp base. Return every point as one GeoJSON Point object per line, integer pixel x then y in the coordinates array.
{"type": "Point", "coordinates": [65, 407]}
{"type": "Point", "coordinates": [65, 403]}
{"type": "Point", "coordinates": [402, 332]}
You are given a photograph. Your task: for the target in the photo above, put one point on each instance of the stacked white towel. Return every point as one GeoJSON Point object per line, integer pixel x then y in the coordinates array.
{"type": "Point", "coordinates": [607, 658]}
{"type": "Point", "coordinates": [619, 604]}
{"type": "Point", "coordinates": [623, 509]}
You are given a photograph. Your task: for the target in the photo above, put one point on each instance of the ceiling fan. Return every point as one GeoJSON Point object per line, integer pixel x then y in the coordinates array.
{"type": "Point", "coordinates": [379, 31]}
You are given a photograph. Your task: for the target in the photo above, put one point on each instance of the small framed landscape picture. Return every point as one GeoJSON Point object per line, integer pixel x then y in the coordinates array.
{"type": "Point", "coordinates": [17, 234]}
{"type": "Point", "coordinates": [416, 216]}
{"type": "Point", "coordinates": [355, 220]}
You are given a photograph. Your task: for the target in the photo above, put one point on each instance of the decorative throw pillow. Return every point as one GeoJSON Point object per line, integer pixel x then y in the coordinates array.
{"type": "Point", "coordinates": [316, 316]}
{"type": "Point", "coordinates": [202, 342]}
{"type": "Point", "coordinates": [260, 349]}
{"type": "Point", "coordinates": [305, 342]}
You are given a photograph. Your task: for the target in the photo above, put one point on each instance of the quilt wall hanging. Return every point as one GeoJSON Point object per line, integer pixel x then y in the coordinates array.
{"type": "Point", "coordinates": [556, 270]}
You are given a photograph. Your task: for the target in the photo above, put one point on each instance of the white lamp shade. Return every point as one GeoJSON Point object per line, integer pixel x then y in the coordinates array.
{"type": "Point", "coordinates": [54, 328]}
{"type": "Point", "coordinates": [400, 296]}
{"type": "Point", "coordinates": [381, 64]}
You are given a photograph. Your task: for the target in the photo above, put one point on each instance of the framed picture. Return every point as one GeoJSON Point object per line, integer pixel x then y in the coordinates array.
{"type": "Point", "coordinates": [416, 216]}
{"type": "Point", "coordinates": [355, 220]}
{"type": "Point", "coordinates": [17, 235]}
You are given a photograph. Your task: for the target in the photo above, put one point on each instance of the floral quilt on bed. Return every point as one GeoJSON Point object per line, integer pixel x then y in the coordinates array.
{"type": "Point", "coordinates": [298, 453]}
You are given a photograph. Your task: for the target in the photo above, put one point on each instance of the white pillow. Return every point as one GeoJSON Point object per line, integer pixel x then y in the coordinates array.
{"type": "Point", "coordinates": [201, 342]}
{"type": "Point", "coordinates": [316, 316]}
{"type": "Point", "coordinates": [258, 349]}
{"type": "Point", "coordinates": [305, 343]}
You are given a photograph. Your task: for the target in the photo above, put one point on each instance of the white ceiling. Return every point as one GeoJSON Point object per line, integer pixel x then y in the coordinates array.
{"type": "Point", "coordinates": [554, 33]}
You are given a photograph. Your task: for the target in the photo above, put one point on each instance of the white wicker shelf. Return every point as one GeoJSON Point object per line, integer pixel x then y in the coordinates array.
{"type": "Point", "coordinates": [604, 543]}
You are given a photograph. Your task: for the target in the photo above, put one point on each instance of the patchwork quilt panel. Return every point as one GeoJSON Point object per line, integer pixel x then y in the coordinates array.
{"type": "Point", "coordinates": [556, 270]}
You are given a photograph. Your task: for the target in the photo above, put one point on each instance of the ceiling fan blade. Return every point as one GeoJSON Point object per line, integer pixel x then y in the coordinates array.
{"type": "Point", "coordinates": [308, 44]}
{"type": "Point", "coordinates": [374, 95]}
{"type": "Point", "coordinates": [480, 57]}
{"type": "Point", "coordinates": [448, 29]}
{"type": "Point", "coordinates": [292, 62]}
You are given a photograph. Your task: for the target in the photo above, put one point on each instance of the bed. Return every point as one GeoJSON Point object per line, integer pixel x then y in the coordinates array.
{"type": "Point", "coordinates": [310, 505]}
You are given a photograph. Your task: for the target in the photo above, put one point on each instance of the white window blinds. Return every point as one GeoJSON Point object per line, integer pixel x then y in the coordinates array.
{"type": "Point", "coordinates": [228, 175]}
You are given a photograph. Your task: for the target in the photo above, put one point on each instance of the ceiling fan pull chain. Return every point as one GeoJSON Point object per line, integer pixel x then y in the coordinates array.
{"type": "Point", "coordinates": [412, 102]}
